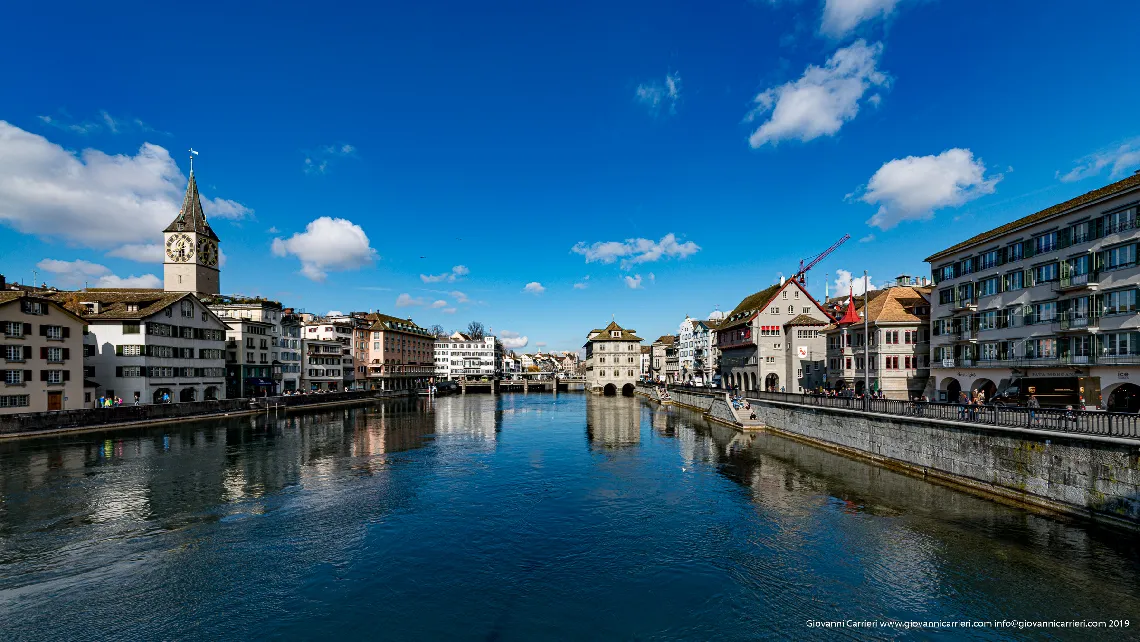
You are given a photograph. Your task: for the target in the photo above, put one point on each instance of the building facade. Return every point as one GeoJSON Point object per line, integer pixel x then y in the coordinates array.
{"type": "Point", "coordinates": [401, 354]}
{"type": "Point", "coordinates": [1050, 295]}
{"type": "Point", "coordinates": [149, 346]}
{"type": "Point", "coordinates": [661, 351]}
{"type": "Point", "coordinates": [260, 360]}
{"type": "Point", "coordinates": [43, 355]}
{"type": "Point", "coordinates": [460, 356]}
{"type": "Point", "coordinates": [898, 351]}
{"type": "Point", "coordinates": [324, 365]}
{"type": "Point", "coordinates": [613, 358]}
{"type": "Point", "coordinates": [696, 351]}
{"type": "Point", "coordinates": [773, 340]}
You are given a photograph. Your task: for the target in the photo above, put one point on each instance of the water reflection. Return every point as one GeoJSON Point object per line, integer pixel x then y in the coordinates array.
{"type": "Point", "coordinates": [612, 422]}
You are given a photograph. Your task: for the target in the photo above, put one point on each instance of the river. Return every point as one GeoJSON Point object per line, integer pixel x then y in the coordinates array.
{"type": "Point", "coordinates": [516, 517]}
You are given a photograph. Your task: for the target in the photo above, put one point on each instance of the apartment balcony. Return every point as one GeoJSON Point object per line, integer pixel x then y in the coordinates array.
{"type": "Point", "coordinates": [1078, 323]}
{"type": "Point", "coordinates": [1077, 282]}
{"type": "Point", "coordinates": [964, 304]}
{"type": "Point", "coordinates": [969, 335]}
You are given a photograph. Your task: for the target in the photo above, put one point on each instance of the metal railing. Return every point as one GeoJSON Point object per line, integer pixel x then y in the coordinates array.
{"type": "Point", "coordinates": [1110, 424]}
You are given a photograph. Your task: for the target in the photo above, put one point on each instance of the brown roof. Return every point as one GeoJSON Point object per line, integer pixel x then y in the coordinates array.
{"type": "Point", "coordinates": [190, 217]}
{"type": "Point", "coordinates": [1061, 208]}
{"type": "Point", "coordinates": [148, 302]}
{"type": "Point", "coordinates": [626, 335]}
{"type": "Point", "coordinates": [666, 339]}
{"type": "Point", "coordinates": [395, 324]}
{"type": "Point", "coordinates": [806, 319]}
{"type": "Point", "coordinates": [751, 304]}
{"type": "Point", "coordinates": [646, 349]}
{"type": "Point", "coordinates": [892, 305]}
{"type": "Point", "coordinates": [8, 296]}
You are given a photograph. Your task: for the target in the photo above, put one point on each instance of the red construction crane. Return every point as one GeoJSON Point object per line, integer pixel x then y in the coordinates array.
{"type": "Point", "coordinates": [801, 276]}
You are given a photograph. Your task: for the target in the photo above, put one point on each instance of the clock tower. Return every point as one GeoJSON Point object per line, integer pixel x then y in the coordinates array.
{"type": "Point", "coordinates": [190, 251]}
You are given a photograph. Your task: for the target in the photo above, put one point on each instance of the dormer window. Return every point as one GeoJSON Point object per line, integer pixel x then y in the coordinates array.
{"type": "Point", "coordinates": [134, 307]}
{"type": "Point", "coordinates": [616, 334]}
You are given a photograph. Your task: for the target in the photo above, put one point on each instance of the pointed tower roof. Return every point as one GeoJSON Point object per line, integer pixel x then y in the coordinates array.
{"type": "Point", "coordinates": [850, 316]}
{"type": "Point", "coordinates": [191, 218]}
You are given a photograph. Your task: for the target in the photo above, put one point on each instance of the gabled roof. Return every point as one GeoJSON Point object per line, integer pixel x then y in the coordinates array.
{"type": "Point", "coordinates": [115, 303]}
{"type": "Point", "coordinates": [890, 305]}
{"type": "Point", "coordinates": [604, 334]}
{"type": "Point", "coordinates": [190, 217]}
{"type": "Point", "coordinates": [395, 324]}
{"type": "Point", "coordinates": [804, 320]}
{"type": "Point", "coordinates": [10, 296]}
{"type": "Point", "coordinates": [666, 339]}
{"type": "Point", "coordinates": [1107, 191]}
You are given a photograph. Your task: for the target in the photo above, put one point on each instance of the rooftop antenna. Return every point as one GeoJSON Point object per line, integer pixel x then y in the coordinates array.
{"type": "Point", "coordinates": [192, 155]}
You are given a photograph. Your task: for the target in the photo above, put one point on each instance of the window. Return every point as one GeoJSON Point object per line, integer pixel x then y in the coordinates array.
{"type": "Point", "coordinates": [988, 287]}
{"type": "Point", "coordinates": [1081, 233]}
{"type": "Point", "coordinates": [775, 310]}
{"type": "Point", "coordinates": [966, 266]}
{"type": "Point", "coordinates": [988, 320]}
{"type": "Point", "coordinates": [14, 377]}
{"type": "Point", "coordinates": [54, 376]}
{"type": "Point", "coordinates": [946, 296]}
{"type": "Point", "coordinates": [1040, 348]}
{"type": "Point", "coordinates": [1119, 257]}
{"type": "Point", "coordinates": [988, 259]}
{"type": "Point", "coordinates": [129, 371]}
{"type": "Point", "coordinates": [1045, 243]}
{"type": "Point", "coordinates": [54, 355]}
{"type": "Point", "coordinates": [33, 307]}
{"type": "Point", "coordinates": [187, 309]}
{"type": "Point", "coordinates": [1119, 302]}
{"type": "Point", "coordinates": [1120, 344]}
{"type": "Point", "coordinates": [13, 329]}
{"type": "Point", "coordinates": [806, 310]}
{"type": "Point", "coordinates": [1044, 273]}
{"type": "Point", "coordinates": [908, 364]}
{"type": "Point", "coordinates": [1013, 281]}
{"type": "Point", "coordinates": [13, 401]}
{"type": "Point", "coordinates": [1014, 252]}
{"type": "Point", "coordinates": [1120, 221]}
{"type": "Point", "coordinates": [52, 331]}
{"type": "Point", "coordinates": [14, 353]}
{"type": "Point", "coordinates": [945, 273]}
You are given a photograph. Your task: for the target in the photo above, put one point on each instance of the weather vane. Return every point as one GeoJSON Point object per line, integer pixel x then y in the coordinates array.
{"type": "Point", "coordinates": [192, 155]}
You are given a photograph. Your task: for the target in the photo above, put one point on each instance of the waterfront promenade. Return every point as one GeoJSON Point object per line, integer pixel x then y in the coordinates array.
{"type": "Point", "coordinates": [511, 517]}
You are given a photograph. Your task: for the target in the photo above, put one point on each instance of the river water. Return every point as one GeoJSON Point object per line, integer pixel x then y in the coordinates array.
{"type": "Point", "coordinates": [518, 517]}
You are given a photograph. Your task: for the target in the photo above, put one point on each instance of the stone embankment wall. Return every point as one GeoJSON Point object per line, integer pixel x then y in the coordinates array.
{"type": "Point", "coordinates": [1087, 476]}
{"type": "Point", "coordinates": [721, 411]}
{"type": "Point", "coordinates": [34, 422]}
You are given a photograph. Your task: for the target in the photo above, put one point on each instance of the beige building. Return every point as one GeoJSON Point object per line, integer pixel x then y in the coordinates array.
{"type": "Point", "coordinates": [613, 360]}
{"type": "Point", "coordinates": [43, 355]}
{"type": "Point", "coordinates": [1048, 300]}
{"type": "Point", "coordinates": [773, 341]}
{"type": "Point", "coordinates": [898, 319]}
{"type": "Point", "coordinates": [401, 354]}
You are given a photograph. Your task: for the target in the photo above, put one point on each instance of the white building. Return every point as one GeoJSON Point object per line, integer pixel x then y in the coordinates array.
{"type": "Point", "coordinates": [696, 351]}
{"type": "Point", "coordinates": [342, 330]}
{"type": "Point", "coordinates": [143, 344]}
{"type": "Point", "coordinates": [462, 357]}
{"type": "Point", "coordinates": [613, 359]}
{"type": "Point", "coordinates": [323, 366]}
{"type": "Point", "coordinates": [260, 358]}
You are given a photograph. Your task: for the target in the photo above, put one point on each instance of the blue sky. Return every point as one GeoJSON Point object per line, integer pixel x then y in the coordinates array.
{"type": "Point", "coordinates": [680, 155]}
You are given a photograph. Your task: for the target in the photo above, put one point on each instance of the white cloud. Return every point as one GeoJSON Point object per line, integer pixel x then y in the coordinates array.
{"type": "Point", "coordinates": [1120, 158]}
{"type": "Point", "coordinates": [540, 344]}
{"type": "Point", "coordinates": [660, 97]}
{"type": "Point", "coordinates": [141, 252]}
{"type": "Point", "coordinates": [580, 286]}
{"type": "Point", "coordinates": [652, 277]}
{"type": "Point", "coordinates": [90, 199]}
{"type": "Point", "coordinates": [317, 162]}
{"type": "Point", "coordinates": [406, 300]}
{"type": "Point", "coordinates": [448, 310]}
{"type": "Point", "coordinates": [456, 273]}
{"type": "Point", "coordinates": [841, 17]}
{"type": "Point", "coordinates": [867, 239]}
{"type": "Point", "coordinates": [224, 208]}
{"type": "Point", "coordinates": [844, 280]}
{"type": "Point", "coordinates": [912, 188]}
{"type": "Point", "coordinates": [459, 296]}
{"type": "Point", "coordinates": [534, 287]}
{"type": "Point", "coordinates": [327, 244]}
{"type": "Point", "coordinates": [822, 100]}
{"type": "Point", "coordinates": [80, 273]}
{"type": "Point", "coordinates": [635, 251]}
{"type": "Point", "coordinates": [633, 282]}
{"type": "Point", "coordinates": [512, 340]}
{"type": "Point", "coordinates": [439, 304]}
{"type": "Point", "coordinates": [105, 121]}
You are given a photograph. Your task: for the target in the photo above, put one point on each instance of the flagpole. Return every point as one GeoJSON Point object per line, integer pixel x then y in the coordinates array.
{"type": "Point", "coordinates": [866, 347]}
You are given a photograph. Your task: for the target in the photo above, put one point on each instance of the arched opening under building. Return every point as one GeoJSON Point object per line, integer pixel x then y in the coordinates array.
{"type": "Point", "coordinates": [186, 394]}
{"type": "Point", "coordinates": [609, 390]}
{"type": "Point", "coordinates": [988, 388]}
{"type": "Point", "coordinates": [158, 395]}
{"type": "Point", "coordinates": [952, 388]}
{"type": "Point", "coordinates": [840, 384]}
{"type": "Point", "coordinates": [1124, 397]}
{"type": "Point", "coordinates": [859, 387]}
{"type": "Point", "coordinates": [627, 390]}
{"type": "Point", "coordinates": [772, 382]}
{"type": "Point", "coordinates": [752, 381]}
{"type": "Point", "coordinates": [210, 394]}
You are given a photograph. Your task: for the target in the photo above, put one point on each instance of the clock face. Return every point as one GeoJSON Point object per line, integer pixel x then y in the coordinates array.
{"type": "Point", "coordinates": [179, 248]}
{"type": "Point", "coordinates": [207, 252]}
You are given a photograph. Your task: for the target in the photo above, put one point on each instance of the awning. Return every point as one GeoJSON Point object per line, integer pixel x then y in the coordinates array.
{"type": "Point", "coordinates": [257, 381]}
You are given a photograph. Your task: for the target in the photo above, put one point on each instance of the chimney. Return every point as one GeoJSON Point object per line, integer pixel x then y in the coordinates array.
{"type": "Point", "coordinates": [781, 279]}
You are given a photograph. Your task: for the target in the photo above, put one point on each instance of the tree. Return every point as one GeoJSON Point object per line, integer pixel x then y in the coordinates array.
{"type": "Point", "coordinates": [475, 330]}
{"type": "Point", "coordinates": [438, 331]}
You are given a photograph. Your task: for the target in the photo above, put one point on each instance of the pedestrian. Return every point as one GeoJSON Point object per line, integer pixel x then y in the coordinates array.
{"type": "Point", "coordinates": [99, 403]}
{"type": "Point", "coordinates": [963, 402]}
{"type": "Point", "coordinates": [1034, 406]}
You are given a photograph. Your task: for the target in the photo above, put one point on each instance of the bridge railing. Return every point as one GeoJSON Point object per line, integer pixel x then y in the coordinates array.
{"type": "Point", "coordinates": [1085, 422]}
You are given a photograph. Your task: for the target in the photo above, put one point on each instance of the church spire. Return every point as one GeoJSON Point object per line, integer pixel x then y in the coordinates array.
{"type": "Point", "coordinates": [190, 217]}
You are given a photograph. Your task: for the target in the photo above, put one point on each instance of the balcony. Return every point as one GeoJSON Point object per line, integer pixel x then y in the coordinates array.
{"type": "Point", "coordinates": [968, 334]}
{"type": "Point", "coordinates": [1075, 282]}
{"type": "Point", "coordinates": [964, 304]}
{"type": "Point", "coordinates": [1078, 322]}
